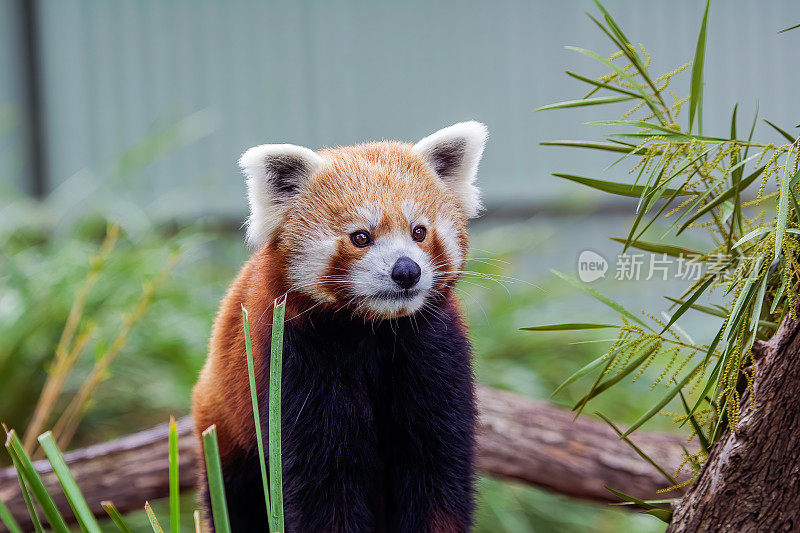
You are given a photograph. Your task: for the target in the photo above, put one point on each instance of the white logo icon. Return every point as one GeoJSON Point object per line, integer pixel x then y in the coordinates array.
{"type": "Point", "coordinates": [591, 266]}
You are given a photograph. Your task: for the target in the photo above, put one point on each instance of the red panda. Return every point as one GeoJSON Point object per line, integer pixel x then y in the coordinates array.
{"type": "Point", "coordinates": [378, 409]}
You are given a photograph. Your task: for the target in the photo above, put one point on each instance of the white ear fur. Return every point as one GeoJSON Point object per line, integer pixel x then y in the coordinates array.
{"type": "Point", "coordinates": [454, 153]}
{"type": "Point", "coordinates": [275, 174]}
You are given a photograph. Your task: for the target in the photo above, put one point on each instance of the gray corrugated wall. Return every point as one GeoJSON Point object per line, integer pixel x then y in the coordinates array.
{"type": "Point", "coordinates": [327, 73]}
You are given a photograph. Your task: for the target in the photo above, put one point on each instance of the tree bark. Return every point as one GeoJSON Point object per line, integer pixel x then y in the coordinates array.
{"type": "Point", "coordinates": [519, 438]}
{"type": "Point", "coordinates": [751, 480]}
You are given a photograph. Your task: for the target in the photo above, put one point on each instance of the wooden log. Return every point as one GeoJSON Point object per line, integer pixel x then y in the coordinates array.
{"type": "Point", "coordinates": [525, 440]}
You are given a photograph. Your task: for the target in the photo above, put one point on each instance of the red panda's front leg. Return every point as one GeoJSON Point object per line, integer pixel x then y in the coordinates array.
{"type": "Point", "coordinates": [330, 441]}
{"type": "Point", "coordinates": [432, 436]}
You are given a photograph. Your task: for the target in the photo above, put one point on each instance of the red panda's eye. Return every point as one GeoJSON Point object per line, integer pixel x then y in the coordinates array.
{"type": "Point", "coordinates": [360, 238]}
{"type": "Point", "coordinates": [418, 233]}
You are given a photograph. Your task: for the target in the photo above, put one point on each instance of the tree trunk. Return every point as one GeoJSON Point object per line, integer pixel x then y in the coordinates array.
{"type": "Point", "coordinates": [522, 439]}
{"type": "Point", "coordinates": [751, 480]}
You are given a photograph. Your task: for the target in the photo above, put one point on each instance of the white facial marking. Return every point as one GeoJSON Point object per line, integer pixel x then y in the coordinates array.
{"type": "Point", "coordinates": [308, 269]}
{"type": "Point", "coordinates": [372, 279]}
{"type": "Point", "coordinates": [413, 213]}
{"type": "Point", "coordinates": [446, 230]}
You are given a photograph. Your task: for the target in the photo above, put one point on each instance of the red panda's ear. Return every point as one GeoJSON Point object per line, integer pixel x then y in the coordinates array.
{"type": "Point", "coordinates": [454, 153]}
{"type": "Point", "coordinates": [275, 174]}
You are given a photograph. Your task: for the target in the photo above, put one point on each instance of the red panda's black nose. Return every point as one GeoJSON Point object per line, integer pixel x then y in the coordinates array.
{"type": "Point", "coordinates": [406, 272]}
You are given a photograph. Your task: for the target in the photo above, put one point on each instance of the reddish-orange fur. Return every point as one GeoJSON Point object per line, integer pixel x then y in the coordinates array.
{"type": "Point", "coordinates": [351, 175]}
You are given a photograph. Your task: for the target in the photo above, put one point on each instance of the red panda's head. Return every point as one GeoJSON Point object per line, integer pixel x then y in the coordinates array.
{"type": "Point", "coordinates": [375, 229]}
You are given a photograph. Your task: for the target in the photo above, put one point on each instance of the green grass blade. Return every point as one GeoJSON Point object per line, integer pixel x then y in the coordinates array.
{"type": "Point", "coordinates": [572, 326]}
{"type": "Point", "coordinates": [600, 100]}
{"type": "Point", "coordinates": [174, 479]}
{"type": "Point", "coordinates": [790, 28]}
{"type": "Point", "coordinates": [8, 520]}
{"type": "Point", "coordinates": [695, 98]}
{"type": "Point", "coordinates": [151, 516]}
{"type": "Point", "coordinates": [74, 496]}
{"type": "Point", "coordinates": [620, 189]}
{"type": "Point", "coordinates": [26, 494]}
{"type": "Point", "coordinates": [256, 414]}
{"type": "Point", "coordinates": [673, 482]}
{"type": "Point", "coordinates": [601, 298]}
{"type": "Point", "coordinates": [36, 485]}
{"type": "Point", "coordinates": [275, 372]}
{"type": "Point", "coordinates": [113, 513]}
{"type": "Point", "coordinates": [216, 487]}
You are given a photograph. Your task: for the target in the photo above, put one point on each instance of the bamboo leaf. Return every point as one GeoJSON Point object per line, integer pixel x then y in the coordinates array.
{"type": "Point", "coordinates": [568, 327]}
{"type": "Point", "coordinates": [600, 297]}
{"type": "Point", "coordinates": [580, 373]}
{"type": "Point", "coordinates": [783, 209]}
{"type": "Point", "coordinates": [695, 95]}
{"type": "Point", "coordinates": [611, 357]}
{"type": "Point", "coordinates": [619, 376]}
{"type": "Point", "coordinates": [76, 500]}
{"type": "Point", "coordinates": [632, 499]}
{"type": "Point", "coordinates": [624, 75]}
{"type": "Point", "coordinates": [661, 403]}
{"type": "Point", "coordinates": [675, 138]}
{"type": "Point", "coordinates": [705, 309]}
{"type": "Point", "coordinates": [636, 124]}
{"type": "Point", "coordinates": [673, 482]}
{"type": "Point", "coordinates": [686, 305]}
{"type": "Point", "coordinates": [790, 28]}
{"type": "Point", "coordinates": [585, 102]}
{"type": "Point", "coordinates": [704, 444]}
{"type": "Point", "coordinates": [620, 189]}
{"type": "Point", "coordinates": [750, 235]}
{"type": "Point", "coordinates": [592, 145]}
{"type": "Point", "coordinates": [601, 85]}
{"type": "Point", "coordinates": [665, 515]}
{"type": "Point", "coordinates": [726, 195]}
{"type": "Point", "coordinates": [659, 248]}
{"type": "Point", "coordinates": [113, 513]}
{"type": "Point", "coordinates": [714, 373]}
{"type": "Point", "coordinates": [784, 133]}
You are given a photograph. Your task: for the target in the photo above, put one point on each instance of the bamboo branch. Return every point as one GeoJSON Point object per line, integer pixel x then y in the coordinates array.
{"type": "Point", "coordinates": [520, 439]}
